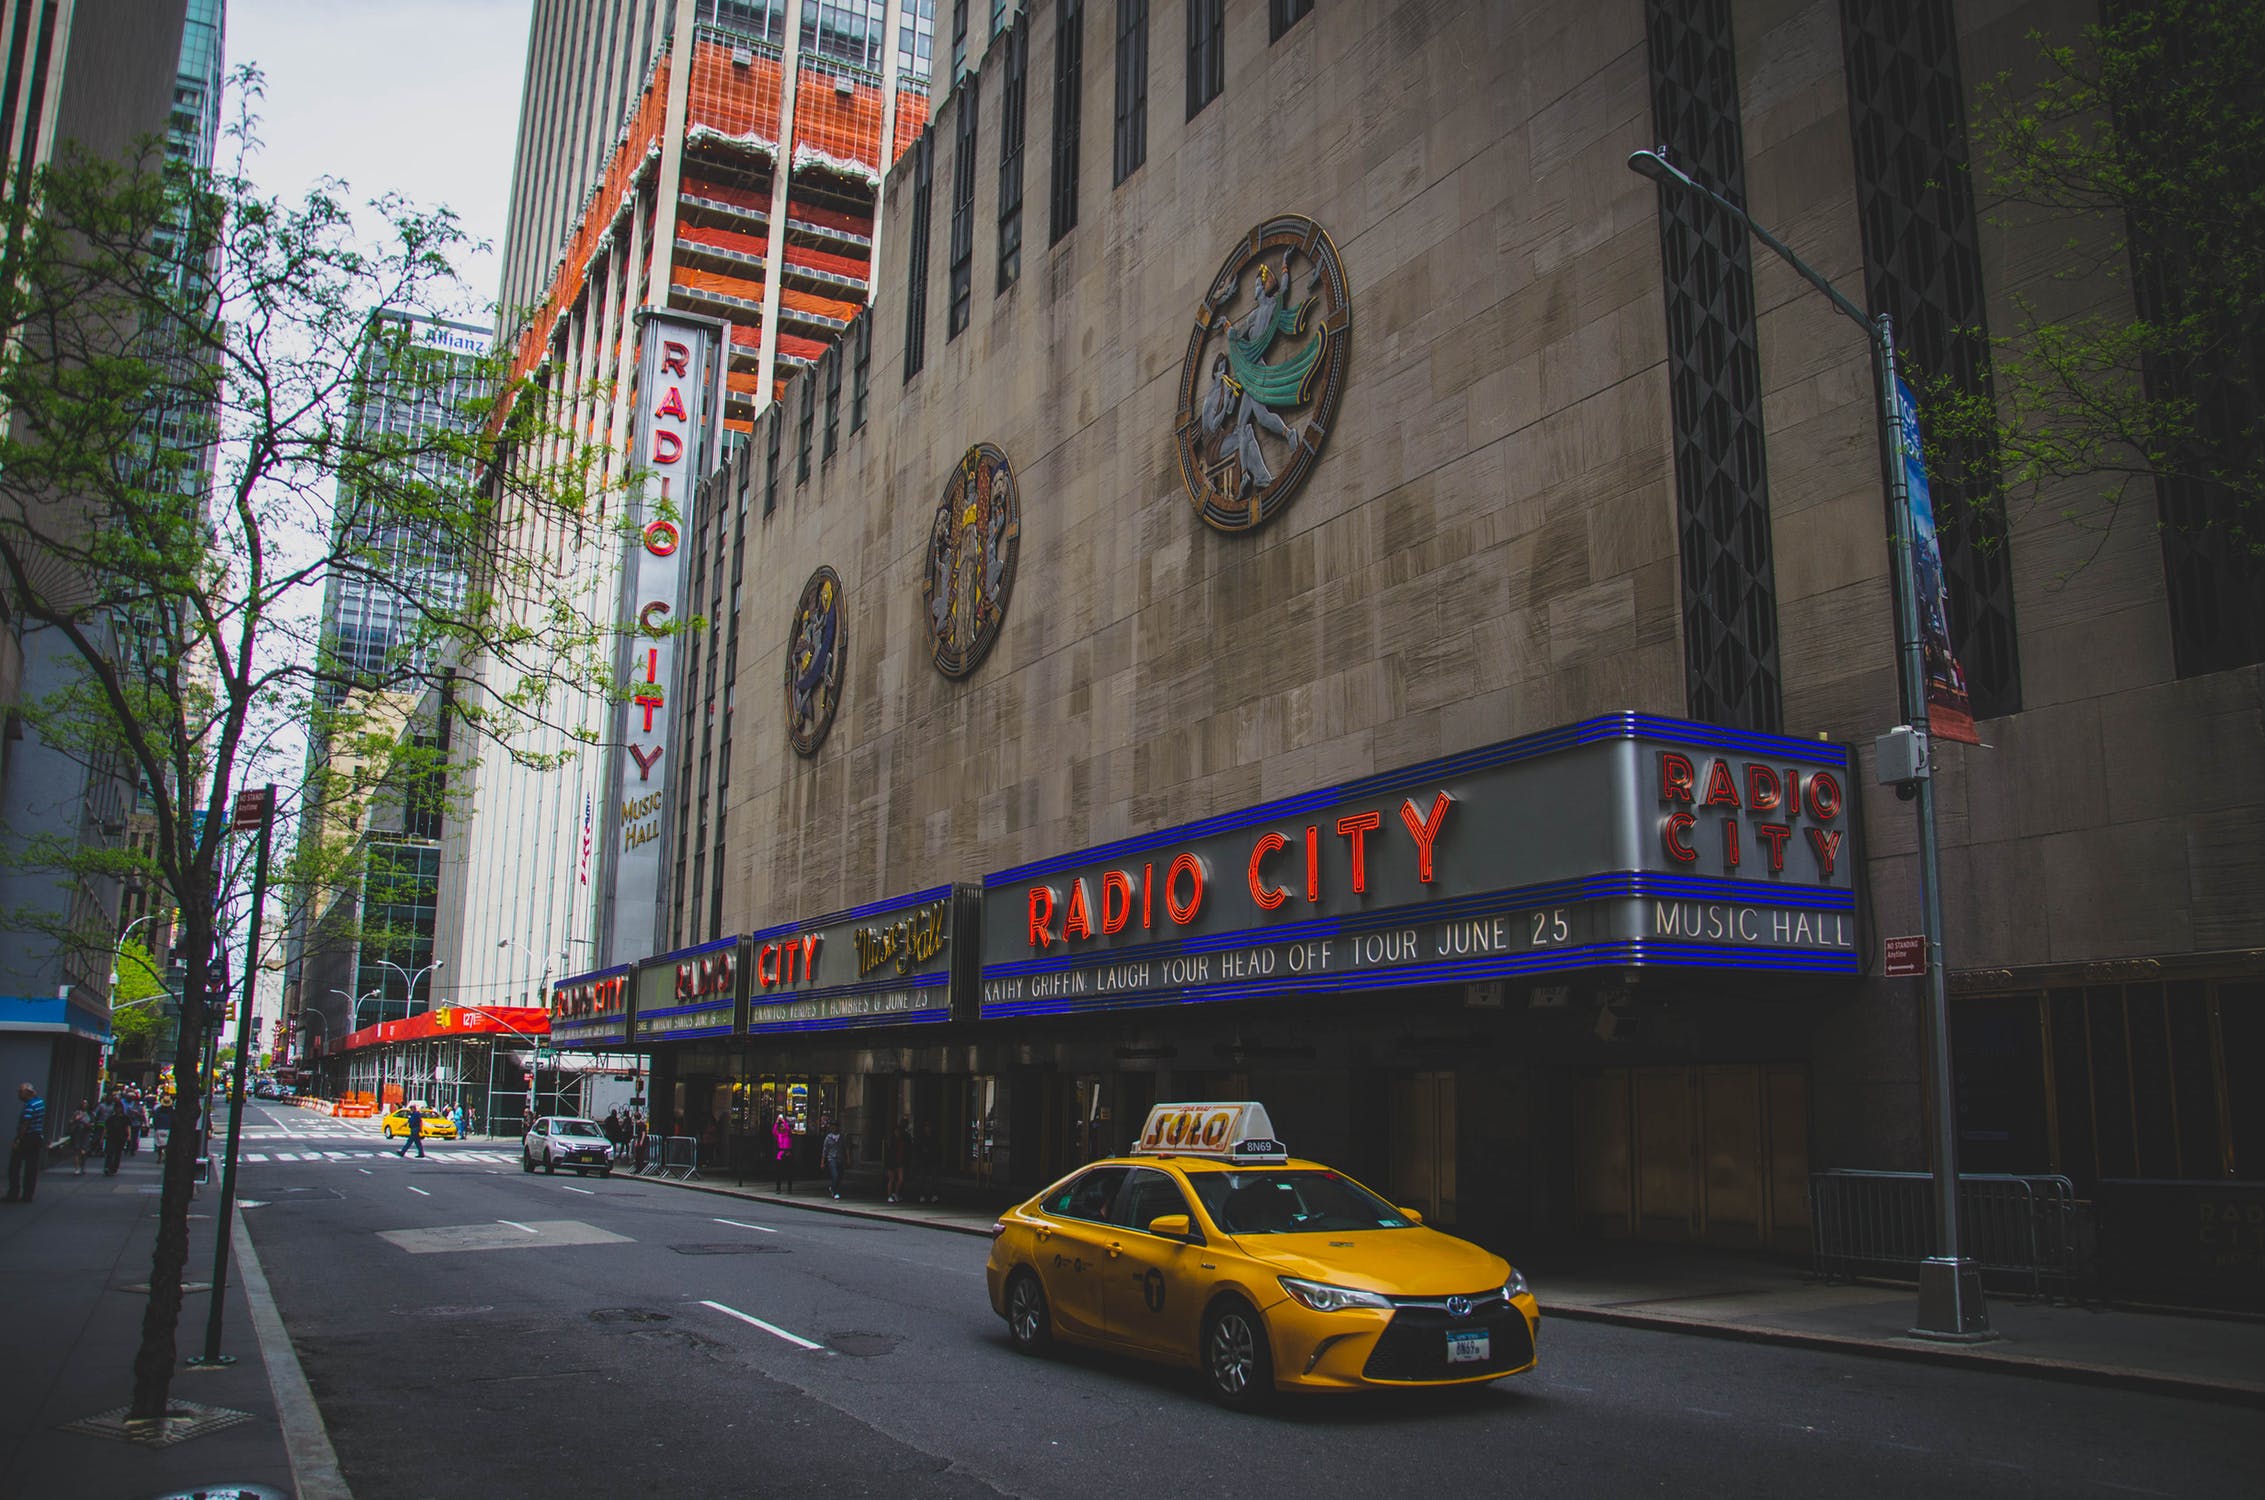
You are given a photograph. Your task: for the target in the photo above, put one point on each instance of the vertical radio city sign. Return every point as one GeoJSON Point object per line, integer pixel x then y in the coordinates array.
{"type": "Point", "coordinates": [673, 375]}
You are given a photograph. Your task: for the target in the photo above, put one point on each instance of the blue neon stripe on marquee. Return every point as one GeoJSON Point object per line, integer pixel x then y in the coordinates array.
{"type": "Point", "coordinates": [854, 913]}
{"type": "Point", "coordinates": [1617, 726]}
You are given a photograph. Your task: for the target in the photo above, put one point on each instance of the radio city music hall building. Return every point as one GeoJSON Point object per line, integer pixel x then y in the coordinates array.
{"type": "Point", "coordinates": [1312, 582]}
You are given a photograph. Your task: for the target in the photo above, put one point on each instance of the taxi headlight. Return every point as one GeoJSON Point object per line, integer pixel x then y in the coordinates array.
{"type": "Point", "coordinates": [1322, 1297]}
{"type": "Point", "coordinates": [1516, 1285]}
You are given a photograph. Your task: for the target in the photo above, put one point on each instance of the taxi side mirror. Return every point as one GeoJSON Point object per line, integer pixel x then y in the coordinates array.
{"type": "Point", "coordinates": [1172, 1226]}
{"type": "Point", "coordinates": [1411, 1216]}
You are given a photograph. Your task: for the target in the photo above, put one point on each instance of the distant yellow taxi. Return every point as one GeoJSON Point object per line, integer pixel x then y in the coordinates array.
{"type": "Point", "coordinates": [437, 1127]}
{"type": "Point", "coordinates": [1211, 1246]}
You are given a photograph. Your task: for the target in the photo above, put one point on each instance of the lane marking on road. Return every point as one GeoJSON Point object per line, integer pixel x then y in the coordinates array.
{"type": "Point", "coordinates": [420, 1192]}
{"type": "Point", "coordinates": [758, 1228]}
{"type": "Point", "coordinates": [365, 1171]}
{"type": "Point", "coordinates": [515, 1224]}
{"type": "Point", "coordinates": [585, 1192]}
{"type": "Point", "coordinates": [254, 1156]}
{"type": "Point", "coordinates": [773, 1329]}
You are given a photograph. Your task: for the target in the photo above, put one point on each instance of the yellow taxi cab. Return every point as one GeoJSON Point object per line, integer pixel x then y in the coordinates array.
{"type": "Point", "coordinates": [438, 1126]}
{"type": "Point", "coordinates": [1211, 1246]}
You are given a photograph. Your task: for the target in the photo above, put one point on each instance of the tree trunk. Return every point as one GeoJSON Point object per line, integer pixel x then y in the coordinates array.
{"type": "Point", "coordinates": [154, 1361]}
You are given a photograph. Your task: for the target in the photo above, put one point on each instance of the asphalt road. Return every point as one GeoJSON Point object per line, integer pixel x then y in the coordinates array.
{"type": "Point", "coordinates": [625, 1338]}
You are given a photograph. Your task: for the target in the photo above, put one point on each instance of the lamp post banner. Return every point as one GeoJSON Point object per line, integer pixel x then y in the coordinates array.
{"type": "Point", "coordinates": [1949, 714]}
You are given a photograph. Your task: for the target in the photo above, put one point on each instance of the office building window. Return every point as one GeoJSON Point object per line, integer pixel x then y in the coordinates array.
{"type": "Point", "coordinates": [771, 461]}
{"type": "Point", "coordinates": [963, 211]}
{"type": "Point", "coordinates": [1714, 375]}
{"type": "Point", "coordinates": [1207, 52]}
{"type": "Point", "coordinates": [916, 299]}
{"type": "Point", "coordinates": [1132, 86]}
{"type": "Point", "coordinates": [806, 414]}
{"type": "Point", "coordinates": [861, 369]}
{"type": "Point", "coordinates": [959, 44]}
{"type": "Point", "coordinates": [1281, 15]}
{"type": "Point", "coordinates": [833, 363]}
{"type": "Point", "coordinates": [1012, 109]}
{"type": "Point", "coordinates": [1069, 99]}
{"type": "Point", "coordinates": [916, 40]}
{"type": "Point", "coordinates": [1923, 267]}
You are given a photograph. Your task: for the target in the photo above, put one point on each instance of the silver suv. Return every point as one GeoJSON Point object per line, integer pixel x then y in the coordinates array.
{"type": "Point", "coordinates": [556, 1141]}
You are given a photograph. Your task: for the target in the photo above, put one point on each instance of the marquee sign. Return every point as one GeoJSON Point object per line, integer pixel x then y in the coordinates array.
{"type": "Point", "coordinates": [1623, 841]}
{"type": "Point", "coordinates": [885, 964]}
{"type": "Point", "coordinates": [673, 377]}
{"type": "Point", "coordinates": [591, 1010]}
{"type": "Point", "coordinates": [693, 992]}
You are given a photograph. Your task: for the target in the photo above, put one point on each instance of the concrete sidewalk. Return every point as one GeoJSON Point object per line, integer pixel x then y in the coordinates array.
{"type": "Point", "coordinates": [1767, 1301]}
{"type": "Point", "coordinates": [71, 1262]}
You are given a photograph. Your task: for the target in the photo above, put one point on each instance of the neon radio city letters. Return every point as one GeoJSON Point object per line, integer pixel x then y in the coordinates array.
{"type": "Point", "coordinates": [660, 538]}
{"type": "Point", "coordinates": [1760, 789]}
{"type": "Point", "coordinates": [1125, 896]}
{"type": "Point", "coordinates": [713, 976]}
{"type": "Point", "coordinates": [593, 1000]}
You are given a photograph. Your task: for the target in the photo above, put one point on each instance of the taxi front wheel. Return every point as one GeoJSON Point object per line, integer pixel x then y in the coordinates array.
{"type": "Point", "coordinates": [1028, 1322]}
{"type": "Point", "coordinates": [1236, 1361]}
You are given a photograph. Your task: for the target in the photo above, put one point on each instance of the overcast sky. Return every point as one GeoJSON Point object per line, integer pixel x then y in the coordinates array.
{"type": "Point", "coordinates": [416, 97]}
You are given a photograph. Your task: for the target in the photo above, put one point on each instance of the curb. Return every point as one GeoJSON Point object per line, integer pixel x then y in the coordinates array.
{"type": "Point", "coordinates": [1969, 1357]}
{"type": "Point", "coordinates": [306, 1441]}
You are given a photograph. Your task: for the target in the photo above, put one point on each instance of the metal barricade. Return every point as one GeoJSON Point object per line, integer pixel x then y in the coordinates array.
{"type": "Point", "coordinates": [2021, 1231]}
{"type": "Point", "coordinates": [675, 1158]}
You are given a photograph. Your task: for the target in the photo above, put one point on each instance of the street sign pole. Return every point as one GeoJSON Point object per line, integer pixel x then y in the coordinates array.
{"type": "Point", "coordinates": [249, 806]}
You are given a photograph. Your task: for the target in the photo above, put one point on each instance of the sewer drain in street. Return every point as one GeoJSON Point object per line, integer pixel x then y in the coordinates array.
{"type": "Point", "coordinates": [862, 1345]}
{"type": "Point", "coordinates": [627, 1315]}
{"type": "Point", "coordinates": [731, 1247]}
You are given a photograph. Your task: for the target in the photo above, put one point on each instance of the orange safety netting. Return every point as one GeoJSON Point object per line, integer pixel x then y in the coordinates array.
{"type": "Point", "coordinates": [621, 171]}
{"type": "Point", "coordinates": [737, 381]}
{"type": "Point", "coordinates": [724, 239]}
{"type": "Point", "coordinates": [795, 343]}
{"type": "Point", "coordinates": [832, 218]}
{"type": "Point", "coordinates": [737, 197]}
{"type": "Point", "coordinates": [737, 101]}
{"type": "Point", "coordinates": [847, 126]}
{"type": "Point", "coordinates": [739, 424]}
{"type": "Point", "coordinates": [912, 118]}
{"type": "Point", "coordinates": [824, 306]}
{"type": "Point", "coordinates": [748, 334]}
{"type": "Point", "coordinates": [821, 260]}
{"type": "Point", "coordinates": [716, 281]}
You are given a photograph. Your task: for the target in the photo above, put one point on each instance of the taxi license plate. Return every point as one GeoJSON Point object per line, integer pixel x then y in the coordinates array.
{"type": "Point", "coordinates": [1474, 1347]}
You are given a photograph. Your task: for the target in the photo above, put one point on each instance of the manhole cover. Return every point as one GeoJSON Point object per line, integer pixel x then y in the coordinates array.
{"type": "Point", "coordinates": [730, 1247]}
{"type": "Point", "coordinates": [628, 1315]}
{"type": "Point", "coordinates": [182, 1421]}
{"type": "Point", "coordinates": [862, 1345]}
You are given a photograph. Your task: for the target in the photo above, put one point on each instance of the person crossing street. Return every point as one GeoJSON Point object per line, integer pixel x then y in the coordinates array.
{"type": "Point", "coordinates": [414, 1123]}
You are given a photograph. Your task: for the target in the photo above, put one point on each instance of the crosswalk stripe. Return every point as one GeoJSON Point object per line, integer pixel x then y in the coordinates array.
{"type": "Point", "coordinates": [254, 1156]}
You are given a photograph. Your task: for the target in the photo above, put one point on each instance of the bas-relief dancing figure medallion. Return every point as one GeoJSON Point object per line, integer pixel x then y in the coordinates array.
{"type": "Point", "coordinates": [972, 547]}
{"type": "Point", "coordinates": [1264, 370]}
{"type": "Point", "coordinates": [814, 651]}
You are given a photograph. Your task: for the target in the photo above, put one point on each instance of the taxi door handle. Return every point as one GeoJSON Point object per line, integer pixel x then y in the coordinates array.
{"type": "Point", "coordinates": [1116, 1248]}
{"type": "Point", "coordinates": [1045, 1231]}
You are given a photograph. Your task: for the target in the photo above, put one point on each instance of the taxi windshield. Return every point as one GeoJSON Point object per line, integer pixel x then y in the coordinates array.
{"type": "Point", "coordinates": [1282, 1201]}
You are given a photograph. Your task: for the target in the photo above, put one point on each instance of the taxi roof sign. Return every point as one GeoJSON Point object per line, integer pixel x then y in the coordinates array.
{"type": "Point", "coordinates": [1231, 1131]}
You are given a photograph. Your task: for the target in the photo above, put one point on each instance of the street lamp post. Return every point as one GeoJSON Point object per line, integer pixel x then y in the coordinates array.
{"type": "Point", "coordinates": [409, 1000]}
{"type": "Point", "coordinates": [1950, 1286]}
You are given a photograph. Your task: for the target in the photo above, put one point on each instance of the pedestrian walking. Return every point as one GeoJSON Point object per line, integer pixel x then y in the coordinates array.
{"type": "Point", "coordinates": [161, 1123]}
{"type": "Point", "coordinates": [85, 1138]}
{"type": "Point", "coordinates": [115, 1126]}
{"type": "Point", "coordinates": [413, 1120]}
{"type": "Point", "coordinates": [893, 1159]}
{"type": "Point", "coordinates": [782, 1138]}
{"type": "Point", "coordinates": [30, 1145]}
{"type": "Point", "coordinates": [830, 1155]}
{"type": "Point", "coordinates": [136, 1122]}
